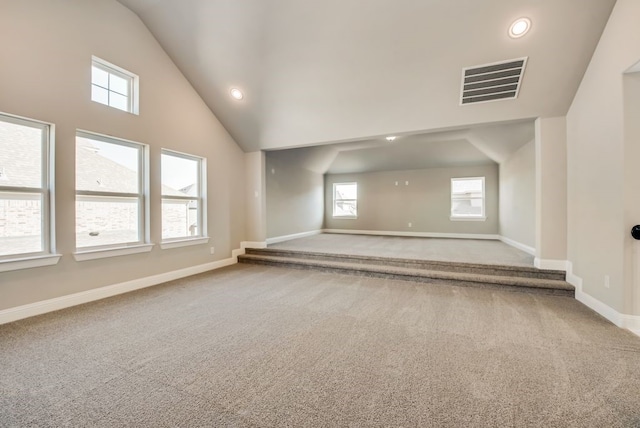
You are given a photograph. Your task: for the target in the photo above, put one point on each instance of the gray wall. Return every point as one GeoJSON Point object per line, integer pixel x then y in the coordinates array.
{"type": "Point", "coordinates": [45, 75]}
{"type": "Point", "coordinates": [425, 202]}
{"type": "Point", "coordinates": [602, 167]}
{"type": "Point", "coordinates": [518, 196]}
{"type": "Point", "coordinates": [295, 198]}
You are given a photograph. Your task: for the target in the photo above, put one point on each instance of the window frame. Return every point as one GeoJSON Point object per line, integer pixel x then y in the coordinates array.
{"type": "Point", "coordinates": [143, 243]}
{"type": "Point", "coordinates": [201, 201]}
{"type": "Point", "coordinates": [335, 199]}
{"type": "Point", "coordinates": [470, 217]}
{"type": "Point", "coordinates": [132, 79]}
{"type": "Point", "coordinates": [47, 255]}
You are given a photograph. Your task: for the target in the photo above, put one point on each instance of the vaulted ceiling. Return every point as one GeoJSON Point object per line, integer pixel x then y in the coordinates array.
{"type": "Point", "coordinates": [339, 71]}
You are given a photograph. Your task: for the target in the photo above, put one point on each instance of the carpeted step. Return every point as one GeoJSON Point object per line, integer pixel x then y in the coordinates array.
{"type": "Point", "coordinates": [546, 286]}
{"type": "Point", "coordinates": [432, 265]}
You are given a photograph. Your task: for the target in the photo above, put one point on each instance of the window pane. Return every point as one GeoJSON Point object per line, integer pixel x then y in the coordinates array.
{"type": "Point", "coordinates": [99, 95]}
{"type": "Point", "coordinates": [345, 208]}
{"type": "Point", "coordinates": [20, 155]}
{"type": "Point", "coordinates": [179, 219]}
{"type": "Point", "coordinates": [20, 223]}
{"type": "Point", "coordinates": [118, 101]}
{"type": "Point", "coordinates": [106, 167]}
{"type": "Point", "coordinates": [466, 207]}
{"type": "Point", "coordinates": [106, 221]}
{"type": "Point", "coordinates": [118, 84]}
{"type": "Point", "coordinates": [467, 187]}
{"type": "Point", "coordinates": [99, 77]}
{"type": "Point", "coordinates": [180, 175]}
{"type": "Point", "coordinates": [346, 191]}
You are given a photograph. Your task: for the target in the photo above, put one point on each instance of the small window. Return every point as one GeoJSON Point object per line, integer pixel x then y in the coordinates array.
{"type": "Point", "coordinates": [114, 86]}
{"type": "Point", "coordinates": [111, 195]}
{"type": "Point", "coordinates": [25, 188]}
{"type": "Point", "coordinates": [345, 200]}
{"type": "Point", "coordinates": [183, 195]}
{"type": "Point", "coordinates": [467, 198]}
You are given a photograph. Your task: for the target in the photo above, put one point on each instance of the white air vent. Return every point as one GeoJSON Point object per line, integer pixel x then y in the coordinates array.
{"type": "Point", "coordinates": [491, 82]}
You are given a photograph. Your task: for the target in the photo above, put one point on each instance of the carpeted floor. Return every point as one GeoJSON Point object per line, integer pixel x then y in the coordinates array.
{"type": "Point", "coordinates": [261, 346]}
{"type": "Point", "coordinates": [450, 250]}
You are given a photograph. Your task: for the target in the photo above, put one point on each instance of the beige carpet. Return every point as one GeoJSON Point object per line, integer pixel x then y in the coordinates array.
{"type": "Point", "coordinates": [449, 250]}
{"type": "Point", "coordinates": [261, 346]}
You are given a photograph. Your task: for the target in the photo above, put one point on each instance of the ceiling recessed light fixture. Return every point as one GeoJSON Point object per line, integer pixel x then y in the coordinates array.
{"type": "Point", "coordinates": [519, 28]}
{"type": "Point", "coordinates": [236, 93]}
{"type": "Point", "coordinates": [391, 137]}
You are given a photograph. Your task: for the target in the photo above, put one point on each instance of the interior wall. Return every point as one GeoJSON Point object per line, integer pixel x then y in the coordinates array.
{"type": "Point", "coordinates": [517, 196]}
{"type": "Point", "coordinates": [45, 75]}
{"type": "Point", "coordinates": [425, 201]}
{"type": "Point", "coordinates": [600, 214]}
{"type": "Point", "coordinates": [295, 196]}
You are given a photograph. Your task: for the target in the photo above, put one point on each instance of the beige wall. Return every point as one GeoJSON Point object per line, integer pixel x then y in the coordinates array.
{"type": "Point", "coordinates": [295, 197]}
{"type": "Point", "coordinates": [425, 201]}
{"type": "Point", "coordinates": [602, 164]}
{"type": "Point", "coordinates": [518, 196]}
{"type": "Point", "coordinates": [46, 54]}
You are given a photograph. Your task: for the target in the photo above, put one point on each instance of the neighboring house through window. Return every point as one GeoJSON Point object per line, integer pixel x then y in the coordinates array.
{"type": "Point", "coordinates": [467, 198]}
{"type": "Point", "coordinates": [111, 192]}
{"type": "Point", "coordinates": [114, 86]}
{"type": "Point", "coordinates": [345, 200]}
{"type": "Point", "coordinates": [183, 197]}
{"type": "Point", "coordinates": [25, 189]}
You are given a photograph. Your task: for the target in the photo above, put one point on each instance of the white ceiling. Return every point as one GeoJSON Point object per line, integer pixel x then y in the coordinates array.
{"type": "Point", "coordinates": [350, 70]}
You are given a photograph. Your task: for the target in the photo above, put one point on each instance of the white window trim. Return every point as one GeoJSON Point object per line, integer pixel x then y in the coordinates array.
{"type": "Point", "coordinates": [184, 241]}
{"type": "Point", "coordinates": [144, 244]}
{"type": "Point", "coordinates": [333, 206]}
{"type": "Point", "coordinates": [133, 105]}
{"type": "Point", "coordinates": [481, 217]}
{"type": "Point", "coordinates": [48, 256]}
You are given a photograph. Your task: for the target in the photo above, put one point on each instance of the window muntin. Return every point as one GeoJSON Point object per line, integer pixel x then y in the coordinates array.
{"type": "Point", "coordinates": [467, 198]}
{"type": "Point", "coordinates": [183, 208]}
{"type": "Point", "coordinates": [345, 200]}
{"type": "Point", "coordinates": [111, 184]}
{"type": "Point", "coordinates": [25, 188]}
{"type": "Point", "coordinates": [113, 86]}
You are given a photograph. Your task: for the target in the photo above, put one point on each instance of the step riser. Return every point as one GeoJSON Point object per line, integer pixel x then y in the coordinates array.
{"type": "Point", "coordinates": [417, 264]}
{"type": "Point", "coordinates": [366, 273]}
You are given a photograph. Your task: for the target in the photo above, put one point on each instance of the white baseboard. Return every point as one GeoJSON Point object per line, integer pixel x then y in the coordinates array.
{"type": "Point", "coordinates": [550, 264]}
{"type": "Point", "coordinates": [39, 308]}
{"type": "Point", "coordinates": [413, 234]}
{"type": "Point", "coordinates": [253, 244]}
{"type": "Point", "coordinates": [630, 322]}
{"type": "Point", "coordinates": [520, 246]}
{"type": "Point", "coordinates": [283, 238]}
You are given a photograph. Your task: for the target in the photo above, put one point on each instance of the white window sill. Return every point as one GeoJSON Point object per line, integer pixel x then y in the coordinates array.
{"type": "Point", "coordinates": [184, 242]}
{"type": "Point", "coordinates": [29, 262]}
{"type": "Point", "coordinates": [104, 253]}
{"type": "Point", "coordinates": [468, 218]}
{"type": "Point", "coordinates": [345, 217]}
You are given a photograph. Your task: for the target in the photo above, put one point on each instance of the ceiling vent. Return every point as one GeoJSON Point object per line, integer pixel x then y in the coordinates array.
{"type": "Point", "coordinates": [491, 82]}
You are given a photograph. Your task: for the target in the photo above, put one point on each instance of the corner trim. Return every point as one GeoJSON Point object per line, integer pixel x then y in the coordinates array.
{"type": "Point", "coordinates": [414, 234]}
{"type": "Point", "coordinates": [55, 304]}
{"type": "Point", "coordinates": [550, 264]}
{"type": "Point", "coordinates": [283, 238]}
{"type": "Point", "coordinates": [527, 249]}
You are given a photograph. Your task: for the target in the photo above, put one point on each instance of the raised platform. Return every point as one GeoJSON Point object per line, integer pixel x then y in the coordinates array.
{"type": "Point", "coordinates": [506, 277]}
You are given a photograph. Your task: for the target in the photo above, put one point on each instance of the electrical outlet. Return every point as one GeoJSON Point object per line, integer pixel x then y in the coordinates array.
{"type": "Point", "coordinates": [406, 183]}
{"type": "Point", "coordinates": [410, 224]}
{"type": "Point", "coordinates": [396, 183]}
{"type": "Point", "coordinates": [213, 250]}
{"type": "Point", "coordinates": [606, 281]}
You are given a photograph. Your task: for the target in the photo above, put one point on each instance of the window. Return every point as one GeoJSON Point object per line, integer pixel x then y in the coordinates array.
{"type": "Point", "coordinates": [111, 193]}
{"type": "Point", "coordinates": [345, 200]}
{"type": "Point", "coordinates": [467, 198]}
{"type": "Point", "coordinates": [25, 192]}
{"type": "Point", "coordinates": [114, 86]}
{"type": "Point", "coordinates": [183, 190]}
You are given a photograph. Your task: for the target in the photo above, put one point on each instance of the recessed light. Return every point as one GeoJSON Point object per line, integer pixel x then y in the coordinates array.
{"type": "Point", "coordinates": [519, 28]}
{"type": "Point", "coordinates": [236, 93]}
{"type": "Point", "coordinates": [391, 137]}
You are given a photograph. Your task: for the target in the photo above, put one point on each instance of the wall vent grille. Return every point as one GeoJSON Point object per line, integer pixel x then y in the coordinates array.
{"type": "Point", "coordinates": [492, 82]}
